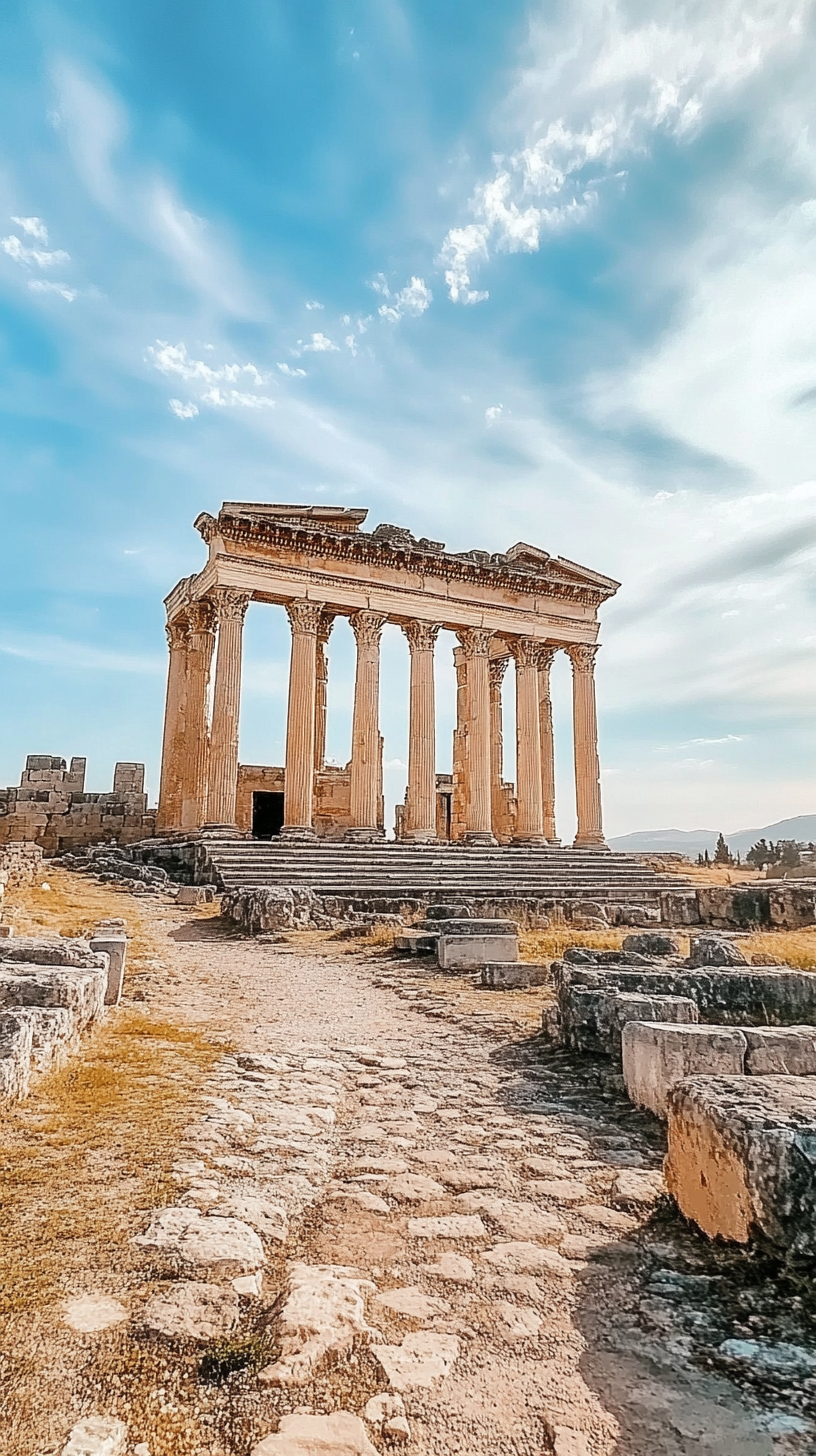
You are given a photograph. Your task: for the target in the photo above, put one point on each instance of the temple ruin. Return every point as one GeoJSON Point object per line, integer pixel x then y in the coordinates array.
{"type": "Point", "coordinates": [317, 563]}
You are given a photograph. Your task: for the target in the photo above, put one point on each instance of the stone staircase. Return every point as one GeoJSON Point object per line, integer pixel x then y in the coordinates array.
{"type": "Point", "coordinates": [439, 872]}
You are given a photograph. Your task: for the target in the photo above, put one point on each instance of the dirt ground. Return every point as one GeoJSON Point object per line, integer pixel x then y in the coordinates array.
{"type": "Point", "coordinates": [367, 1093]}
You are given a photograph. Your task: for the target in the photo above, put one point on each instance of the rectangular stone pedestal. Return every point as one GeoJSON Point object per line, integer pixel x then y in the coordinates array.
{"type": "Point", "coordinates": [656, 1055]}
{"type": "Point", "coordinates": [471, 952]}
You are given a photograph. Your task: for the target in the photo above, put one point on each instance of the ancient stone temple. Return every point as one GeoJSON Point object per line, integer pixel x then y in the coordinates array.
{"type": "Point", "coordinates": [520, 606]}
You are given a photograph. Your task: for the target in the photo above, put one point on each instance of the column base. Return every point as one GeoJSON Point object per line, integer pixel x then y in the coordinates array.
{"type": "Point", "coordinates": [531, 840]}
{"type": "Point", "coordinates": [421, 836]}
{"type": "Point", "coordinates": [361, 834]}
{"type": "Point", "coordinates": [481, 836]}
{"type": "Point", "coordinates": [223, 831]}
{"type": "Point", "coordinates": [594, 843]}
{"type": "Point", "coordinates": [297, 834]}
{"type": "Point", "coordinates": [554, 843]}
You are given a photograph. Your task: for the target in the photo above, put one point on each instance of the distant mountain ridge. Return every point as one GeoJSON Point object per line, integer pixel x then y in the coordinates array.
{"type": "Point", "coordinates": [696, 841]}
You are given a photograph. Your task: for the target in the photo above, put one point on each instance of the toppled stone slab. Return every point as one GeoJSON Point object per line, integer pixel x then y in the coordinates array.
{"type": "Point", "coordinates": [417, 942]}
{"type": "Point", "coordinates": [223, 1243]}
{"type": "Point", "coordinates": [41, 950]}
{"type": "Point", "coordinates": [81, 991]}
{"type": "Point", "coordinates": [657, 1054]}
{"type": "Point", "coordinates": [619, 1007]}
{"type": "Point", "coordinates": [97, 1436]}
{"type": "Point", "coordinates": [15, 1056]}
{"type": "Point", "coordinates": [324, 1311]}
{"type": "Point", "coordinates": [741, 1158]}
{"type": "Point", "coordinates": [419, 1362]}
{"type": "Point", "coordinates": [514, 975]}
{"type": "Point", "coordinates": [780, 1051]}
{"type": "Point", "coordinates": [341, 1434]}
{"type": "Point", "coordinates": [713, 950]}
{"type": "Point", "coordinates": [471, 952]}
{"type": "Point", "coordinates": [190, 1310]}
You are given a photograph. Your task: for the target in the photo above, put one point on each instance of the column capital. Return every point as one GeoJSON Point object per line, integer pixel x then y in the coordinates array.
{"type": "Point", "coordinates": [546, 657]}
{"type": "Point", "coordinates": [178, 632]}
{"type": "Point", "coordinates": [497, 667]}
{"type": "Point", "coordinates": [304, 617]}
{"type": "Point", "coordinates": [201, 615]}
{"type": "Point", "coordinates": [324, 626]}
{"type": "Point", "coordinates": [367, 627]}
{"type": "Point", "coordinates": [524, 651]}
{"type": "Point", "coordinates": [582, 655]}
{"type": "Point", "coordinates": [230, 604]}
{"type": "Point", "coordinates": [475, 641]}
{"type": "Point", "coordinates": [421, 635]}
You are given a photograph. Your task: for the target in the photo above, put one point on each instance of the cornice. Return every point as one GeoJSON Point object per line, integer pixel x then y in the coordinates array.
{"type": "Point", "coordinates": [553, 577]}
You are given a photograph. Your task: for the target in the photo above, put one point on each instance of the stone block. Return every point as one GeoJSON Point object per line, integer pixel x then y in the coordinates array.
{"type": "Point", "coordinates": [657, 1055]}
{"type": "Point", "coordinates": [79, 991]}
{"type": "Point", "coordinates": [44, 951]}
{"type": "Point", "coordinates": [53, 1034]}
{"type": "Point", "coordinates": [190, 895]}
{"type": "Point", "coordinates": [780, 1051]}
{"type": "Point", "coordinates": [514, 975]}
{"type": "Point", "coordinates": [472, 927]}
{"type": "Point", "coordinates": [741, 1158]}
{"type": "Point", "coordinates": [725, 996]}
{"type": "Point", "coordinates": [15, 1056]}
{"type": "Point", "coordinates": [448, 912]}
{"type": "Point", "coordinates": [679, 907]}
{"type": "Point", "coordinates": [115, 947]}
{"type": "Point", "coordinates": [6, 931]}
{"type": "Point", "coordinates": [416, 942]}
{"type": "Point", "coordinates": [620, 1007]}
{"type": "Point", "coordinates": [471, 952]}
{"type": "Point", "coordinates": [652, 943]}
{"type": "Point", "coordinates": [634, 915]}
{"type": "Point", "coordinates": [712, 950]}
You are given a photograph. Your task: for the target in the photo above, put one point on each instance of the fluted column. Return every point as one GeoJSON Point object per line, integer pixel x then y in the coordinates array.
{"type": "Point", "coordinates": [475, 643]}
{"type": "Point", "coordinates": [196, 732]}
{"type": "Point", "coordinates": [304, 619]}
{"type": "Point", "coordinates": [421, 805]}
{"type": "Point", "coordinates": [231, 607]}
{"type": "Point", "coordinates": [545, 724]}
{"type": "Point", "coordinates": [366, 753]}
{"type": "Point", "coordinates": [529, 815]}
{"type": "Point", "coordinates": [585, 730]}
{"type": "Point", "coordinates": [168, 816]}
{"type": "Point", "coordinates": [321, 689]}
{"type": "Point", "coordinates": [496, 668]}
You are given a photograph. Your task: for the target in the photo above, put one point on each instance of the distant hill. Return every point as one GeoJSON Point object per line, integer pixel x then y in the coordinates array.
{"type": "Point", "coordinates": [692, 842]}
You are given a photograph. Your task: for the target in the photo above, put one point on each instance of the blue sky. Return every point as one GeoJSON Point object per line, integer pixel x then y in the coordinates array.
{"type": "Point", "coordinates": [538, 272]}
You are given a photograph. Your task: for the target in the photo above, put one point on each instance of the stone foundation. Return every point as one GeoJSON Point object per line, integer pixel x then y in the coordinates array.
{"type": "Point", "coordinates": [50, 992]}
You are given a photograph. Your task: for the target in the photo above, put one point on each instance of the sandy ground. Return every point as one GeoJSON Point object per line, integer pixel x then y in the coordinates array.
{"type": "Point", "coordinates": [608, 1344]}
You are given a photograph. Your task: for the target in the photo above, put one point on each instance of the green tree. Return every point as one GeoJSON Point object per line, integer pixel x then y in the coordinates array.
{"type": "Point", "coordinates": [722, 854]}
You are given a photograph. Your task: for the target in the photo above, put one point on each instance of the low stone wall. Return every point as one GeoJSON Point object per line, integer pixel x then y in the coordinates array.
{"type": "Point", "coordinates": [782, 905]}
{"type": "Point", "coordinates": [51, 991]}
{"type": "Point", "coordinates": [20, 865]}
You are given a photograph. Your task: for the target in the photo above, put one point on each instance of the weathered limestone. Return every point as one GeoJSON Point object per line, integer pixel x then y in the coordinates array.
{"type": "Point", "coordinates": [514, 976]}
{"type": "Point", "coordinates": [50, 812]}
{"type": "Point", "coordinates": [115, 948]}
{"type": "Point", "coordinates": [366, 743]}
{"type": "Point", "coordinates": [545, 723]}
{"type": "Point", "coordinates": [471, 952]}
{"type": "Point", "coordinates": [656, 1055]}
{"type": "Point", "coordinates": [623, 1006]}
{"type": "Point", "coordinates": [497, 667]}
{"type": "Point", "coordinates": [304, 619]}
{"type": "Point", "coordinates": [168, 816]}
{"type": "Point", "coordinates": [589, 834]}
{"type": "Point", "coordinates": [421, 801]}
{"type": "Point", "coordinates": [740, 1158]}
{"type": "Point", "coordinates": [231, 607]}
{"type": "Point", "coordinates": [323, 1312]}
{"type": "Point", "coordinates": [780, 1051]}
{"type": "Point", "coordinates": [530, 817]}
{"type": "Point", "coordinates": [195, 751]}
{"type": "Point", "coordinates": [475, 644]}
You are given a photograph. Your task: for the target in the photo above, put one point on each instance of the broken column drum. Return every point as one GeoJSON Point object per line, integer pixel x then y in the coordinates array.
{"type": "Point", "coordinates": [317, 563]}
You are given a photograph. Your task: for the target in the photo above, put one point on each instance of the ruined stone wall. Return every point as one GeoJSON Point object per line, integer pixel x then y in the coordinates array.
{"type": "Point", "coordinates": [20, 865]}
{"type": "Point", "coordinates": [332, 796]}
{"type": "Point", "coordinates": [50, 807]}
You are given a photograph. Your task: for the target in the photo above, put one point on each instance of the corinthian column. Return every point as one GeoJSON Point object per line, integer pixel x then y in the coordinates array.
{"type": "Point", "coordinates": [304, 619]}
{"type": "Point", "coordinates": [231, 607]}
{"type": "Point", "coordinates": [169, 811]}
{"type": "Point", "coordinates": [475, 644]}
{"type": "Point", "coordinates": [585, 730]}
{"type": "Point", "coordinates": [196, 735]}
{"type": "Point", "coordinates": [321, 689]}
{"type": "Point", "coordinates": [421, 806]}
{"type": "Point", "coordinates": [366, 752]}
{"type": "Point", "coordinates": [529, 818]}
{"type": "Point", "coordinates": [496, 668]}
{"type": "Point", "coordinates": [545, 723]}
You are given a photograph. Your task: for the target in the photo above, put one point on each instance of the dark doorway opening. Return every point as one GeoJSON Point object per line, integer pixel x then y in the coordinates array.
{"type": "Point", "coordinates": [267, 815]}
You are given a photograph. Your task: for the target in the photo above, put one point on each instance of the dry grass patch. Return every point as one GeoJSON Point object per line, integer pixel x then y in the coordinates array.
{"type": "Point", "coordinates": [549, 945]}
{"type": "Point", "coordinates": [787, 947]}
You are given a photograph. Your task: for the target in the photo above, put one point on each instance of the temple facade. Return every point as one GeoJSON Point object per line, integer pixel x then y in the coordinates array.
{"type": "Point", "coordinates": [521, 606]}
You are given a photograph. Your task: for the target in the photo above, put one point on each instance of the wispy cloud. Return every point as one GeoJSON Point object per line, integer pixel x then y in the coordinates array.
{"type": "Point", "coordinates": [38, 256]}
{"type": "Point", "coordinates": [319, 344]}
{"type": "Point", "coordinates": [411, 301]}
{"type": "Point", "coordinates": [312, 304]}
{"type": "Point", "coordinates": [43, 285]}
{"type": "Point", "coordinates": [33, 227]}
{"type": "Point", "coordinates": [78, 656]}
{"type": "Point", "coordinates": [292, 373]}
{"type": "Point", "coordinates": [181, 410]}
{"type": "Point", "coordinates": [174, 359]}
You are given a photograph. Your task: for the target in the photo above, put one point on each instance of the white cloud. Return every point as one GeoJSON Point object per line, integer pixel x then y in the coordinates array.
{"type": "Point", "coordinates": [312, 304]}
{"type": "Point", "coordinates": [292, 373]}
{"type": "Point", "coordinates": [351, 343]}
{"type": "Point", "coordinates": [181, 410]}
{"type": "Point", "coordinates": [174, 359]}
{"type": "Point", "coordinates": [234, 398]}
{"type": "Point", "coordinates": [42, 285]}
{"type": "Point", "coordinates": [411, 301]}
{"type": "Point", "coordinates": [33, 227]}
{"type": "Point", "coordinates": [494, 412]}
{"type": "Point", "coordinates": [599, 91]}
{"type": "Point", "coordinates": [319, 345]}
{"type": "Point", "coordinates": [26, 256]}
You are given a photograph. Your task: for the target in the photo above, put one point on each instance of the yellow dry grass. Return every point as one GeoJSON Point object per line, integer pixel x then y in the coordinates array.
{"type": "Point", "coordinates": [549, 945]}
{"type": "Point", "coordinates": [787, 947]}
